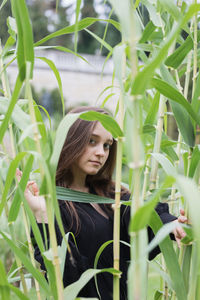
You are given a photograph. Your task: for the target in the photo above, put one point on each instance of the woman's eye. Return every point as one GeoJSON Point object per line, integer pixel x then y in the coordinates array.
{"type": "Point", "coordinates": [92, 142]}
{"type": "Point", "coordinates": [107, 146]}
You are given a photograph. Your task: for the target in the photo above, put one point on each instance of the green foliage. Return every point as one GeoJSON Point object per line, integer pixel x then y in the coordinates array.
{"type": "Point", "coordinates": [149, 69]}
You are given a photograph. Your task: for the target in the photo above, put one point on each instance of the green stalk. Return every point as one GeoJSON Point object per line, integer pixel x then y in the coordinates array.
{"type": "Point", "coordinates": [116, 290]}
{"type": "Point", "coordinates": [26, 226]}
{"type": "Point", "coordinates": [7, 94]}
{"type": "Point", "coordinates": [146, 177]}
{"type": "Point", "coordinates": [116, 229]}
{"type": "Point", "coordinates": [137, 273]}
{"type": "Point", "coordinates": [50, 210]}
{"type": "Point", "coordinates": [195, 52]}
{"type": "Point", "coordinates": [31, 251]}
{"type": "Point", "coordinates": [4, 77]}
{"type": "Point", "coordinates": [158, 137]}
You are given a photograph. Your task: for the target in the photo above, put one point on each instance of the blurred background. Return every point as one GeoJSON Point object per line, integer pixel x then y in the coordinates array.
{"type": "Point", "coordinates": [83, 79]}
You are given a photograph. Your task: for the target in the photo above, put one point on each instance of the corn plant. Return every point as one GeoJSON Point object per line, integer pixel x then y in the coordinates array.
{"type": "Point", "coordinates": [156, 69]}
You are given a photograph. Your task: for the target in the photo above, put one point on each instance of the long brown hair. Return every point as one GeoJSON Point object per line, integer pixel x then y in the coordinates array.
{"type": "Point", "coordinates": [77, 139]}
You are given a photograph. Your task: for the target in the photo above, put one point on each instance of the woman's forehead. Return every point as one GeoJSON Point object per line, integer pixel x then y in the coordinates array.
{"type": "Point", "coordinates": [99, 130]}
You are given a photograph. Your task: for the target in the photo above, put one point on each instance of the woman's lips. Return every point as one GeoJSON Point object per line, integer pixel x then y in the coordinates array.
{"type": "Point", "coordinates": [94, 162]}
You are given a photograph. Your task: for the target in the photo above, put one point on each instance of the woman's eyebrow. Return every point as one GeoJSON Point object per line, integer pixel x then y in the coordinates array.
{"type": "Point", "coordinates": [96, 135]}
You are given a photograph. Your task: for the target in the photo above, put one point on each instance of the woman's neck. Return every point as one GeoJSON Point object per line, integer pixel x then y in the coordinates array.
{"type": "Point", "coordinates": [78, 184]}
{"type": "Point", "coordinates": [79, 188]}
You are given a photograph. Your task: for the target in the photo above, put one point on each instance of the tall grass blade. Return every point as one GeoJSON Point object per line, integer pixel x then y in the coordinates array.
{"type": "Point", "coordinates": [170, 259]}
{"type": "Point", "coordinates": [57, 75]}
{"type": "Point", "coordinates": [26, 261]}
{"type": "Point", "coordinates": [14, 209]}
{"type": "Point", "coordinates": [71, 291]}
{"type": "Point", "coordinates": [25, 37]}
{"type": "Point", "coordinates": [18, 117]}
{"type": "Point", "coordinates": [13, 100]}
{"type": "Point", "coordinates": [78, 5]}
{"type": "Point", "coordinates": [9, 178]}
{"type": "Point", "coordinates": [82, 24]}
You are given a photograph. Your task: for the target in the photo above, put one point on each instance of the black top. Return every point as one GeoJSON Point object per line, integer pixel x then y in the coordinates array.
{"type": "Point", "coordinates": [95, 230]}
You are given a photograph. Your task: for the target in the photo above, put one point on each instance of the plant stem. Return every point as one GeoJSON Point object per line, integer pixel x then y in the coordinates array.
{"type": "Point", "coordinates": [146, 176]}
{"type": "Point", "coordinates": [116, 249]}
{"type": "Point", "coordinates": [116, 243]}
{"type": "Point", "coordinates": [7, 94]}
{"type": "Point", "coordinates": [50, 210]}
{"type": "Point", "coordinates": [195, 52]}
{"type": "Point", "coordinates": [158, 137]}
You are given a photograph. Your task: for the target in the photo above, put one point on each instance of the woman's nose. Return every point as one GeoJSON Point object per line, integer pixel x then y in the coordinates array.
{"type": "Point", "coordinates": [100, 150]}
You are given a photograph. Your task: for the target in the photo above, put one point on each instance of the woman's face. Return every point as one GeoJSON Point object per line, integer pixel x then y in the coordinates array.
{"type": "Point", "coordinates": [96, 152]}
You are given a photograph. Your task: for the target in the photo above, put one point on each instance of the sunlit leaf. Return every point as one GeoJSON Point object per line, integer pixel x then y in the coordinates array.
{"type": "Point", "coordinates": [82, 24]}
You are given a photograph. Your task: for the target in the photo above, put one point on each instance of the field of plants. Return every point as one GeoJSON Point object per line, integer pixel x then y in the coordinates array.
{"type": "Point", "coordinates": [156, 70]}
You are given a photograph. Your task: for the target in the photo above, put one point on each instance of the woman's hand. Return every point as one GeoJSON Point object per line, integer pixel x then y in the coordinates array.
{"type": "Point", "coordinates": [178, 232]}
{"type": "Point", "coordinates": [35, 201]}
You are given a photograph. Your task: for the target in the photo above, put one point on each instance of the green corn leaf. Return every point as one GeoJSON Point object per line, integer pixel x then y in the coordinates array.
{"type": "Point", "coordinates": [170, 92]}
{"type": "Point", "coordinates": [152, 113]}
{"type": "Point", "coordinates": [194, 161]}
{"type": "Point", "coordinates": [184, 123]}
{"type": "Point", "coordinates": [3, 277]}
{"type": "Point", "coordinates": [153, 15]}
{"type": "Point", "coordinates": [186, 265]}
{"type": "Point", "coordinates": [101, 41]}
{"type": "Point", "coordinates": [57, 75]}
{"type": "Point", "coordinates": [12, 27]}
{"type": "Point", "coordinates": [9, 43]}
{"type": "Point", "coordinates": [82, 24]}
{"type": "Point", "coordinates": [26, 262]}
{"type": "Point", "coordinates": [118, 58]}
{"type": "Point", "coordinates": [41, 125]}
{"type": "Point", "coordinates": [106, 29]}
{"type": "Point", "coordinates": [63, 49]}
{"type": "Point", "coordinates": [171, 8]}
{"type": "Point", "coordinates": [195, 100]}
{"type": "Point", "coordinates": [148, 30]}
{"type": "Point", "coordinates": [142, 79]}
{"type": "Point", "coordinates": [76, 196]}
{"type": "Point", "coordinates": [107, 121]}
{"type": "Point", "coordinates": [189, 235]}
{"type": "Point", "coordinates": [170, 259]}
{"type": "Point", "coordinates": [158, 295]}
{"type": "Point", "coordinates": [163, 232]}
{"type": "Point", "coordinates": [125, 12]}
{"type": "Point", "coordinates": [25, 50]}
{"type": "Point", "coordinates": [9, 178]}
{"type": "Point", "coordinates": [4, 286]}
{"type": "Point", "coordinates": [28, 132]}
{"type": "Point", "coordinates": [106, 99]}
{"type": "Point", "coordinates": [51, 275]}
{"type": "Point", "coordinates": [185, 186]}
{"type": "Point", "coordinates": [99, 252]}
{"type": "Point", "coordinates": [17, 292]}
{"type": "Point", "coordinates": [180, 112]}
{"type": "Point", "coordinates": [142, 216]}
{"type": "Point", "coordinates": [14, 209]}
{"type": "Point", "coordinates": [72, 290]}
{"type": "Point", "coordinates": [165, 163]}
{"type": "Point", "coordinates": [78, 5]}
{"type": "Point", "coordinates": [61, 134]}
{"type": "Point", "coordinates": [46, 113]}
{"type": "Point", "coordinates": [175, 59]}
{"type": "Point", "coordinates": [19, 117]}
{"type": "Point", "coordinates": [33, 223]}
{"type": "Point", "coordinates": [12, 103]}
{"type": "Point", "coordinates": [190, 192]}
{"type": "Point", "coordinates": [3, 3]}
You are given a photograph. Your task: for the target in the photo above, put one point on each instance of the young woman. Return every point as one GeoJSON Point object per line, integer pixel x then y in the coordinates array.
{"type": "Point", "coordinates": [86, 164]}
